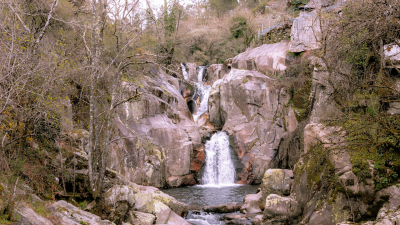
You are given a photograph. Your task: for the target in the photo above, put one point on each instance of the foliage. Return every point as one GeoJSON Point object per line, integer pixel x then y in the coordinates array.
{"type": "Point", "coordinates": [239, 27]}
{"type": "Point", "coordinates": [219, 7]}
{"type": "Point", "coordinates": [261, 8]}
{"type": "Point", "coordinates": [297, 3]}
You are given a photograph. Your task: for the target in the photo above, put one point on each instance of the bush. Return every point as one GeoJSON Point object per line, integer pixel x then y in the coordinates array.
{"type": "Point", "coordinates": [297, 3]}
{"type": "Point", "coordinates": [239, 27]}
{"type": "Point", "coordinates": [261, 8]}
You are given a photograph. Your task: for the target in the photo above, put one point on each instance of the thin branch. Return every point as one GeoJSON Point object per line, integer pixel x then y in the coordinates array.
{"type": "Point", "coordinates": [45, 26]}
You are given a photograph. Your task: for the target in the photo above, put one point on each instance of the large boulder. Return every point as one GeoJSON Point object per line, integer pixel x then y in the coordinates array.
{"type": "Point", "coordinates": [120, 199]}
{"type": "Point", "coordinates": [176, 181]}
{"type": "Point", "coordinates": [281, 210]}
{"type": "Point", "coordinates": [245, 104]}
{"type": "Point", "coordinates": [27, 216]}
{"type": "Point", "coordinates": [164, 215]}
{"type": "Point", "coordinates": [306, 32]}
{"type": "Point", "coordinates": [267, 57]}
{"type": "Point", "coordinates": [71, 215]}
{"type": "Point", "coordinates": [253, 203]}
{"type": "Point", "coordinates": [276, 181]}
{"type": "Point", "coordinates": [392, 53]}
{"type": "Point", "coordinates": [389, 200]}
{"type": "Point", "coordinates": [223, 208]}
{"type": "Point", "coordinates": [144, 202]}
{"type": "Point", "coordinates": [135, 217]}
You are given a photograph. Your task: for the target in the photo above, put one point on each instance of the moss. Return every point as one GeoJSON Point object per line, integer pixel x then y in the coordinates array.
{"type": "Point", "coordinates": [318, 167]}
{"type": "Point", "coordinates": [245, 80]}
{"type": "Point", "coordinates": [83, 205]}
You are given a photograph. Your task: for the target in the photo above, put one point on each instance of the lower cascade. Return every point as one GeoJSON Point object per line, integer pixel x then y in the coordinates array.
{"type": "Point", "coordinates": [219, 169]}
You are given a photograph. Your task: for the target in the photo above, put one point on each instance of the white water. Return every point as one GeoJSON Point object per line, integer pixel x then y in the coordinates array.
{"type": "Point", "coordinates": [200, 74]}
{"type": "Point", "coordinates": [219, 169]}
{"type": "Point", "coordinates": [203, 91]}
{"type": "Point", "coordinates": [184, 72]}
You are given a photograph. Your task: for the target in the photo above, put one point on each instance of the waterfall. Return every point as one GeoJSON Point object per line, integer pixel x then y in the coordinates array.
{"type": "Point", "coordinates": [219, 169]}
{"type": "Point", "coordinates": [184, 72]}
{"type": "Point", "coordinates": [200, 74]}
{"type": "Point", "coordinates": [203, 92]}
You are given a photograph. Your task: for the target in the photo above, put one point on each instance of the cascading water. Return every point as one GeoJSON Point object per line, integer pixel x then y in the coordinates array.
{"type": "Point", "coordinates": [200, 74]}
{"type": "Point", "coordinates": [219, 169]}
{"type": "Point", "coordinates": [203, 92]}
{"type": "Point", "coordinates": [184, 72]}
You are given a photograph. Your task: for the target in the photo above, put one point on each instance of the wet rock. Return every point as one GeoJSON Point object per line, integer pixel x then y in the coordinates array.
{"type": "Point", "coordinates": [281, 210]}
{"type": "Point", "coordinates": [199, 160]}
{"type": "Point", "coordinates": [253, 203]}
{"type": "Point", "coordinates": [164, 215]}
{"type": "Point", "coordinates": [224, 208]}
{"type": "Point", "coordinates": [27, 216]}
{"type": "Point", "coordinates": [71, 215]}
{"type": "Point", "coordinates": [135, 217]}
{"type": "Point", "coordinates": [276, 181]}
{"type": "Point", "coordinates": [242, 219]}
{"type": "Point", "coordinates": [267, 57]}
{"type": "Point", "coordinates": [177, 181]}
{"type": "Point", "coordinates": [191, 68]}
{"type": "Point", "coordinates": [258, 220]}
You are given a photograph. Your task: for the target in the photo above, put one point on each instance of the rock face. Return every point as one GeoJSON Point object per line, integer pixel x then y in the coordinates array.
{"type": "Point", "coordinates": [305, 33]}
{"type": "Point", "coordinates": [215, 72]}
{"type": "Point", "coordinates": [245, 104]}
{"type": "Point", "coordinates": [157, 133]}
{"type": "Point", "coordinates": [191, 71]}
{"type": "Point", "coordinates": [268, 57]}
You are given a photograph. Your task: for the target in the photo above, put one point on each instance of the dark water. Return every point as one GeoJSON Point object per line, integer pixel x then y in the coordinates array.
{"type": "Point", "coordinates": [210, 196]}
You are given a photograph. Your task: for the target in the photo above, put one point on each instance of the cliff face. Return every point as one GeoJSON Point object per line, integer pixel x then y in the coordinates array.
{"type": "Point", "coordinates": [255, 112]}
{"type": "Point", "coordinates": [156, 135]}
